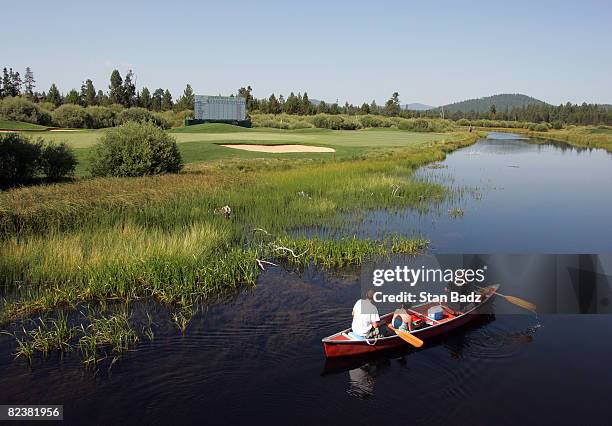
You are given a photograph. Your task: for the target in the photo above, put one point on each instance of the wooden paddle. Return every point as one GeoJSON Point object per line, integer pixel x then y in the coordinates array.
{"type": "Point", "coordinates": [407, 336]}
{"type": "Point", "coordinates": [516, 301]}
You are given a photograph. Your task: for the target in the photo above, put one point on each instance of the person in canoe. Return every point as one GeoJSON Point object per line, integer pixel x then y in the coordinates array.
{"type": "Point", "coordinates": [402, 319]}
{"type": "Point", "coordinates": [366, 321]}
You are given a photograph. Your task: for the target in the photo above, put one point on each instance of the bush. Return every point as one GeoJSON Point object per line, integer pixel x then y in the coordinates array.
{"type": "Point", "coordinates": [22, 159]}
{"type": "Point", "coordinates": [349, 124]}
{"type": "Point", "coordinates": [321, 121]}
{"type": "Point", "coordinates": [19, 158]}
{"type": "Point", "coordinates": [101, 117]}
{"type": "Point", "coordinates": [73, 116]}
{"type": "Point", "coordinates": [47, 106]}
{"type": "Point", "coordinates": [300, 124]}
{"type": "Point", "coordinates": [57, 161]}
{"type": "Point", "coordinates": [20, 109]}
{"type": "Point", "coordinates": [325, 121]}
{"type": "Point", "coordinates": [463, 122]}
{"type": "Point", "coordinates": [135, 149]}
{"type": "Point", "coordinates": [371, 121]}
{"type": "Point", "coordinates": [140, 115]}
{"type": "Point", "coordinates": [174, 119]}
{"type": "Point", "coordinates": [557, 125]}
{"type": "Point", "coordinates": [541, 127]}
{"type": "Point", "coordinates": [414, 124]}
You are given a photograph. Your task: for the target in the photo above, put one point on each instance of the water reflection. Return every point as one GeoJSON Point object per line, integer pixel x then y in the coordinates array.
{"type": "Point", "coordinates": [514, 196]}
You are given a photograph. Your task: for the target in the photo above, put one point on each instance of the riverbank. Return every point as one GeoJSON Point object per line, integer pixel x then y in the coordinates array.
{"type": "Point", "coordinates": [166, 237]}
{"type": "Point", "coordinates": [580, 137]}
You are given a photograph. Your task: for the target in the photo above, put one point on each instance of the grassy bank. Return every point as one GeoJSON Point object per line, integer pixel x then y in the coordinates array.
{"type": "Point", "coordinates": [20, 126]}
{"type": "Point", "coordinates": [581, 137]}
{"type": "Point", "coordinates": [165, 238]}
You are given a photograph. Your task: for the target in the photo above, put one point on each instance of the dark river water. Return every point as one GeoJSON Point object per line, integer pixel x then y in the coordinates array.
{"type": "Point", "coordinates": [257, 358]}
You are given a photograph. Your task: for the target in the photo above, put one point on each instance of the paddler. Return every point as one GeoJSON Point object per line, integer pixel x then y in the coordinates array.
{"type": "Point", "coordinates": [366, 321]}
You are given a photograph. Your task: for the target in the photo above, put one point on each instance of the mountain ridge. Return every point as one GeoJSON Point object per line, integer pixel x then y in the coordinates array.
{"type": "Point", "coordinates": [501, 102]}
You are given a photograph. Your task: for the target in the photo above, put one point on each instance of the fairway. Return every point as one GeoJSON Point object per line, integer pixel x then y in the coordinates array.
{"type": "Point", "coordinates": [203, 143]}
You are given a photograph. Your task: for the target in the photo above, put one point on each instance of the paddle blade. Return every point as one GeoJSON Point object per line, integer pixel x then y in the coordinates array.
{"type": "Point", "coordinates": [520, 302]}
{"type": "Point", "coordinates": [408, 337]}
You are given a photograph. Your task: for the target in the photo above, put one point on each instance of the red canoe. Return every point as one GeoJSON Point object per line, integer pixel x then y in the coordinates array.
{"type": "Point", "coordinates": [340, 344]}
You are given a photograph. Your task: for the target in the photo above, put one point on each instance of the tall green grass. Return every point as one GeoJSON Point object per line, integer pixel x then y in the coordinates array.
{"type": "Point", "coordinates": [165, 237]}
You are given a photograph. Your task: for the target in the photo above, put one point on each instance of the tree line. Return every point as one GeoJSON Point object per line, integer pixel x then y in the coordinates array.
{"type": "Point", "coordinates": [300, 104]}
{"type": "Point", "coordinates": [584, 114]}
{"type": "Point", "coordinates": [121, 91]}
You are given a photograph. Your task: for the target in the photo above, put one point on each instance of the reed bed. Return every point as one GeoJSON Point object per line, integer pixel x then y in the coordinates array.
{"type": "Point", "coordinates": [165, 237]}
{"type": "Point", "coordinates": [103, 337]}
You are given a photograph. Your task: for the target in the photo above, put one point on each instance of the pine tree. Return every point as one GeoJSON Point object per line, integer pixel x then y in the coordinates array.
{"type": "Point", "coordinates": [392, 107]}
{"type": "Point", "coordinates": [6, 83]}
{"type": "Point", "coordinates": [306, 105]}
{"type": "Point", "coordinates": [374, 107]}
{"type": "Point", "coordinates": [11, 82]}
{"type": "Point", "coordinates": [101, 98]}
{"type": "Point", "coordinates": [145, 98]}
{"type": "Point", "coordinates": [156, 101]}
{"type": "Point", "coordinates": [88, 93]}
{"type": "Point", "coordinates": [365, 108]}
{"type": "Point", "coordinates": [187, 100]}
{"type": "Point", "coordinates": [116, 88]}
{"type": "Point", "coordinates": [246, 94]}
{"type": "Point", "coordinates": [54, 95]}
{"type": "Point", "coordinates": [322, 108]}
{"type": "Point", "coordinates": [129, 90]}
{"type": "Point", "coordinates": [291, 105]}
{"type": "Point", "coordinates": [29, 83]}
{"type": "Point", "coordinates": [167, 101]}
{"type": "Point", "coordinates": [16, 83]}
{"type": "Point", "coordinates": [274, 105]}
{"type": "Point", "coordinates": [73, 97]}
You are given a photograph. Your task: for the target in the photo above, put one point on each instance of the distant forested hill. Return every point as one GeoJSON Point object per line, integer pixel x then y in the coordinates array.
{"type": "Point", "coordinates": [501, 102]}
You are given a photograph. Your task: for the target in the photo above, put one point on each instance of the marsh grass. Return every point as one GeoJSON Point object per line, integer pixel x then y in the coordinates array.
{"type": "Point", "coordinates": [103, 336]}
{"type": "Point", "coordinates": [164, 237]}
{"type": "Point", "coordinates": [44, 336]}
{"type": "Point", "coordinates": [455, 212]}
{"type": "Point", "coordinates": [113, 332]}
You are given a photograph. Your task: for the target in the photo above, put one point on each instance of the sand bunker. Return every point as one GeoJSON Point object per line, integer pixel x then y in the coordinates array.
{"type": "Point", "coordinates": [276, 149]}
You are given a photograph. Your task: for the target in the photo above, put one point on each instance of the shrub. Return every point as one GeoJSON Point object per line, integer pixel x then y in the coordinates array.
{"type": "Point", "coordinates": [140, 115]}
{"type": "Point", "coordinates": [463, 122]}
{"type": "Point", "coordinates": [325, 121]}
{"type": "Point", "coordinates": [557, 125]}
{"type": "Point", "coordinates": [57, 161]}
{"type": "Point", "coordinates": [101, 117]}
{"type": "Point", "coordinates": [321, 121]}
{"type": "Point", "coordinates": [174, 119]}
{"type": "Point", "coordinates": [300, 124]}
{"type": "Point", "coordinates": [541, 127]}
{"type": "Point", "coordinates": [135, 149]}
{"type": "Point", "coordinates": [47, 106]}
{"type": "Point", "coordinates": [70, 115]}
{"type": "Point", "coordinates": [20, 109]}
{"type": "Point", "coordinates": [371, 121]}
{"type": "Point", "coordinates": [414, 124]}
{"type": "Point", "coordinates": [19, 158]}
{"type": "Point", "coordinates": [116, 108]}
{"type": "Point", "coordinates": [349, 124]}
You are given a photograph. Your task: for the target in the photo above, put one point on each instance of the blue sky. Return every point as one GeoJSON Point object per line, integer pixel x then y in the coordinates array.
{"type": "Point", "coordinates": [430, 52]}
